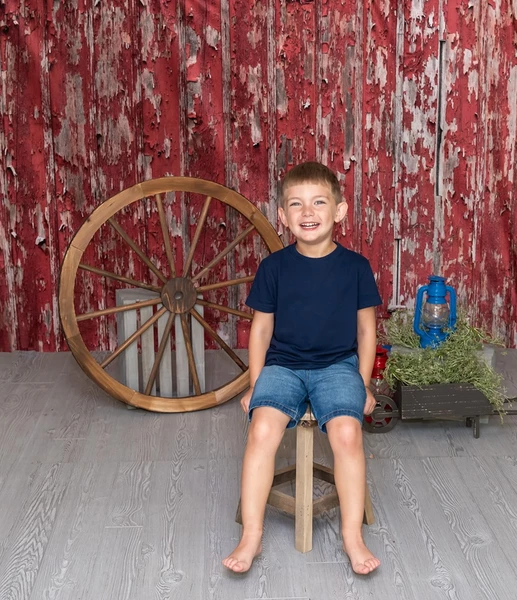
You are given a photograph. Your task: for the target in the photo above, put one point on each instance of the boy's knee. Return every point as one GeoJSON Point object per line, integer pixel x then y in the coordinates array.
{"type": "Point", "coordinates": [267, 431]}
{"type": "Point", "coordinates": [345, 433]}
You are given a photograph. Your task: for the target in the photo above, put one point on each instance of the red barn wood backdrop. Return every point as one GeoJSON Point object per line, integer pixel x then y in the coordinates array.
{"type": "Point", "coordinates": [412, 102]}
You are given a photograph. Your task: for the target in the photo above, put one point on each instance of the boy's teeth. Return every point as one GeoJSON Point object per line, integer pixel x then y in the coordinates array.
{"type": "Point", "coordinates": [309, 224]}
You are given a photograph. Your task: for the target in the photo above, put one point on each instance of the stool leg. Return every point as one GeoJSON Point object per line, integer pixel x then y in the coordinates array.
{"type": "Point", "coordinates": [304, 475]}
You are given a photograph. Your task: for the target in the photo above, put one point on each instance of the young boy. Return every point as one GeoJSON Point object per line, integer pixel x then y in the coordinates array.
{"type": "Point", "coordinates": [313, 338]}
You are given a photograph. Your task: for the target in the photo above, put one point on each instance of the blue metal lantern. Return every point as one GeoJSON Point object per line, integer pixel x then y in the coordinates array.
{"type": "Point", "coordinates": [433, 315]}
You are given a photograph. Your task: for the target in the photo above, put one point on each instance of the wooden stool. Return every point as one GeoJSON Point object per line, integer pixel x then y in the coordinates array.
{"type": "Point", "coordinates": [302, 505]}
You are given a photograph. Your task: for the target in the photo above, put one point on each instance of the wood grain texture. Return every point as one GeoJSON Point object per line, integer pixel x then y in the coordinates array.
{"type": "Point", "coordinates": [117, 568]}
{"type": "Point", "coordinates": [29, 536]}
{"type": "Point", "coordinates": [172, 539]}
{"type": "Point", "coordinates": [31, 367]}
{"type": "Point", "coordinates": [72, 551]}
{"type": "Point", "coordinates": [17, 482]}
{"type": "Point", "coordinates": [427, 572]}
{"type": "Point", "coordinates": [130, 495]}
{"type": "Point", "coordinates": [102, 502]}
{"type": "Point", "coordinates": [480, 545]}
{"type": "Point", "coordinates": [20, 412]}
{"type": "Point", "coordinates": [492, 493]}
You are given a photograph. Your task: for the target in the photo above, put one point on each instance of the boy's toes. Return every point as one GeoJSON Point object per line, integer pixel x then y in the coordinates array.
{"type": "Point", "coordinates": [361, 559]}
{"type": "Point", "coordinates": [372, 563]}
{"type": "Point", "coordinates": [241, 558]}
{"type": "Point", "coordinates": [367, 566]}
{"type": "Point", "coordinates": [235, 565]}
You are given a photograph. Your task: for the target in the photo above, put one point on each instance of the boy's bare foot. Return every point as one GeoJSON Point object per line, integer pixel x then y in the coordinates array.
{"type": "Point", "coordinates": [241, 558]}
{"type": "Point", "coordinates": [361, 559]}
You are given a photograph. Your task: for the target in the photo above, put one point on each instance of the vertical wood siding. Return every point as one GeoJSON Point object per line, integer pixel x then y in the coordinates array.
{"type": "Point", "coordinates": [413, 103]}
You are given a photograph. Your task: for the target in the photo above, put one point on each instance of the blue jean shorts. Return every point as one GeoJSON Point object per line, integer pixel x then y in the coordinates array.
{"type": "Point", "coordinates": [335, 391]}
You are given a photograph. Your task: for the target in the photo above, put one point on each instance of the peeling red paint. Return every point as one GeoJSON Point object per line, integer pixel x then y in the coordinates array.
{"type": "Point", "coordinates": [412, 102]}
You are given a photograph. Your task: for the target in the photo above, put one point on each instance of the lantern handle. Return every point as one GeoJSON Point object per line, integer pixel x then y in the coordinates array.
{"type": "Point", "coordinates": [417, 327]}
{"type": "Point", "coordinates": [452, 306]}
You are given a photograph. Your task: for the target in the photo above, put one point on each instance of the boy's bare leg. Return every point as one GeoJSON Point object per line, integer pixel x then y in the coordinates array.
{"type": "Point", "coordinates": [346, 441]}
{"type": "Point", "coordinates": [265, 434]}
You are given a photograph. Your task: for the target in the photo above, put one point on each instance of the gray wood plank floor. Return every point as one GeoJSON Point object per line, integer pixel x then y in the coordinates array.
{"type": "Point", "coordinates": [98, 502]}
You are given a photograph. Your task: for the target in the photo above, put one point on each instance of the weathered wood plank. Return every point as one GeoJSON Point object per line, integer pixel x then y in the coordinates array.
{"type": "Point", "coordinates": [20, 412]}
{"type": "Point", "coordinates": [407, 496]}
{"type": "Point", "coordinates": [130, 495]}
{"type": "Point", "coordinates": [77, 532]}
{"type": "Point", "coordinates": [381, 118]}
{"type": "Point", "coordinates": [477, 541]}
{"type": "Point", "coordinates": [9, 231]}
{"type": "Point", "coordinates": [118, 564]}
{"type": "Point", "coordinates": [494, 282]}
{"type": "Point", "coordinates": [249, 129]}
{"type": "Point", "coordinates": [296, 83]}
{"type": "Point", "coordinates": [420, 208]}
{"type": "Point", "coordinates": [29, 536]}
{"type": "Point", "coordinates": [28, 229]}
{"type": "Point", "coordinates": [173, 535]}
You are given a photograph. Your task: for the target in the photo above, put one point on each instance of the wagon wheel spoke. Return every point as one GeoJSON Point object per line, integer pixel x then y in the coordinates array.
{"type": "Point", "coordinates": [119, 229]}
{"type": "Point", "coordinates": [226, 309]}
{"type": "Point", "coordinates": [222, 254]}
{"type": "Point", "coordinates": [197, 234]}
{"type": "Point", "coordinates": [117, 309]}
{"type": "Point", "coordinates": [133, 337]}
{"type": "Point", "coordinates": [165, 234]}
{"type": "Point", "coordinates": [110, 275]}
{"type": "Point", "coordinates": [221, 284]}
{"type": "Point", "coordinates": [190, 353]}
{"type": "Point", "coordinates": [217, 339]}
{"type": "Point", "coordinates": [159, 354]}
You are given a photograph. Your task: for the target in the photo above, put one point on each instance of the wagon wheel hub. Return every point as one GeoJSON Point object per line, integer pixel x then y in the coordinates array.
{"type": "Point", "coordinates": [179, 295]}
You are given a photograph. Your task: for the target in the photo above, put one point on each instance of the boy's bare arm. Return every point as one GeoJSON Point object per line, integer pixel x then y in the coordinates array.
{"type": "Point", "coordinates": [366, 347]}
{"type": "Point", "coordinates": [260, 337]}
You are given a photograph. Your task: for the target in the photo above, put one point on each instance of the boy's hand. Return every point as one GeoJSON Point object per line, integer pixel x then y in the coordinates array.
{"type": "Point", "coordinates": [370, 402]}
{"type": "Point", "coordinates": [245, 400]}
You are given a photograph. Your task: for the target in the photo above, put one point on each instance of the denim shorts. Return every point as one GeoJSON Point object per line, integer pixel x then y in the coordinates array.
{"type": "Point", "coordinates": [335, 391]}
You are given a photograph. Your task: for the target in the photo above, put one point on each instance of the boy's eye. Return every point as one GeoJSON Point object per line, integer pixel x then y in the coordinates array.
{"type": "Point", "coordinates": [319, 202]}
{"type": "Point", "coordinates": [294, 203]}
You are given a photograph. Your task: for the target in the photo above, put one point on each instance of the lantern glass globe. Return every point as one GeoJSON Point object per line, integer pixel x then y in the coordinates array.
{"type": "Point", "coordinates": [435, 316]}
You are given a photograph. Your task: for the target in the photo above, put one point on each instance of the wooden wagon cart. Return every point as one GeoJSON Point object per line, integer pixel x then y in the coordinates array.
{"type": "Point", "coordinates": [448, 401]}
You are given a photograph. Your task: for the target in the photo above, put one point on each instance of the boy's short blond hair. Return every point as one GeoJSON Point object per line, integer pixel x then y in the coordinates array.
{"type": "Point", "coordinates": [311, 172]}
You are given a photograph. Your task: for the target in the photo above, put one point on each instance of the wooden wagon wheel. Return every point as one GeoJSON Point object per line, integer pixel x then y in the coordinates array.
{"type": "Point", "coordinates": [176, 295]}
{"type": "Point", "coordinates": [384, 416]}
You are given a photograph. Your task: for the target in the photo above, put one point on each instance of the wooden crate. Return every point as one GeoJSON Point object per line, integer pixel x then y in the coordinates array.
{"type": "Point", "coordinates": [443, 401]}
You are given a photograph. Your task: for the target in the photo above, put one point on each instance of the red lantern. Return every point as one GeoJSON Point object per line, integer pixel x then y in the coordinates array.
{"type": "Point", "coordinates": [385, 413]}
{"type": "Point", "coordinates": [378, 385]}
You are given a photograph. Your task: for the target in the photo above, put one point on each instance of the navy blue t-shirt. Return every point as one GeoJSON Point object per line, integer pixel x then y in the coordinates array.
{"type": "Point", "coordinates": [315, 302]}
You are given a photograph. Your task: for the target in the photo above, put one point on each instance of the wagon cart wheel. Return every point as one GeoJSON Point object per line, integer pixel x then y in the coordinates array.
{"type": "Point", "coordinates": [177, 291]}
{"type": "Point", "coordinates": [384, 416]}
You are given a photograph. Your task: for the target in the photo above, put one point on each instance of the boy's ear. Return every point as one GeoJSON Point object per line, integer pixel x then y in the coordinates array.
{"type": "Point", "coordinates": [342, 209]}
{"type": "Point", "coordinates": [281, 215]}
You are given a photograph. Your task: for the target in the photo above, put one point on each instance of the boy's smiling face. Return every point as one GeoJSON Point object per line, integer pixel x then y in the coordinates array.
{"type": "Point", "coordinates": [310, 211]}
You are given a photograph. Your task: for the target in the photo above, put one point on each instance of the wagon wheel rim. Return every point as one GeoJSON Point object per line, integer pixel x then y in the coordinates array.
{"type": "Point", "coordinates": [178, 292]}
{"type": "Point", "coordinates": [378, 421]}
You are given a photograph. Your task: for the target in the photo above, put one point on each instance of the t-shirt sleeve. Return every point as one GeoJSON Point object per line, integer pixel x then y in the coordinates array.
{"type": "Point", "coordinates": [368, 294]}
{"type": "Point", "coordinates": [263, 292]}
